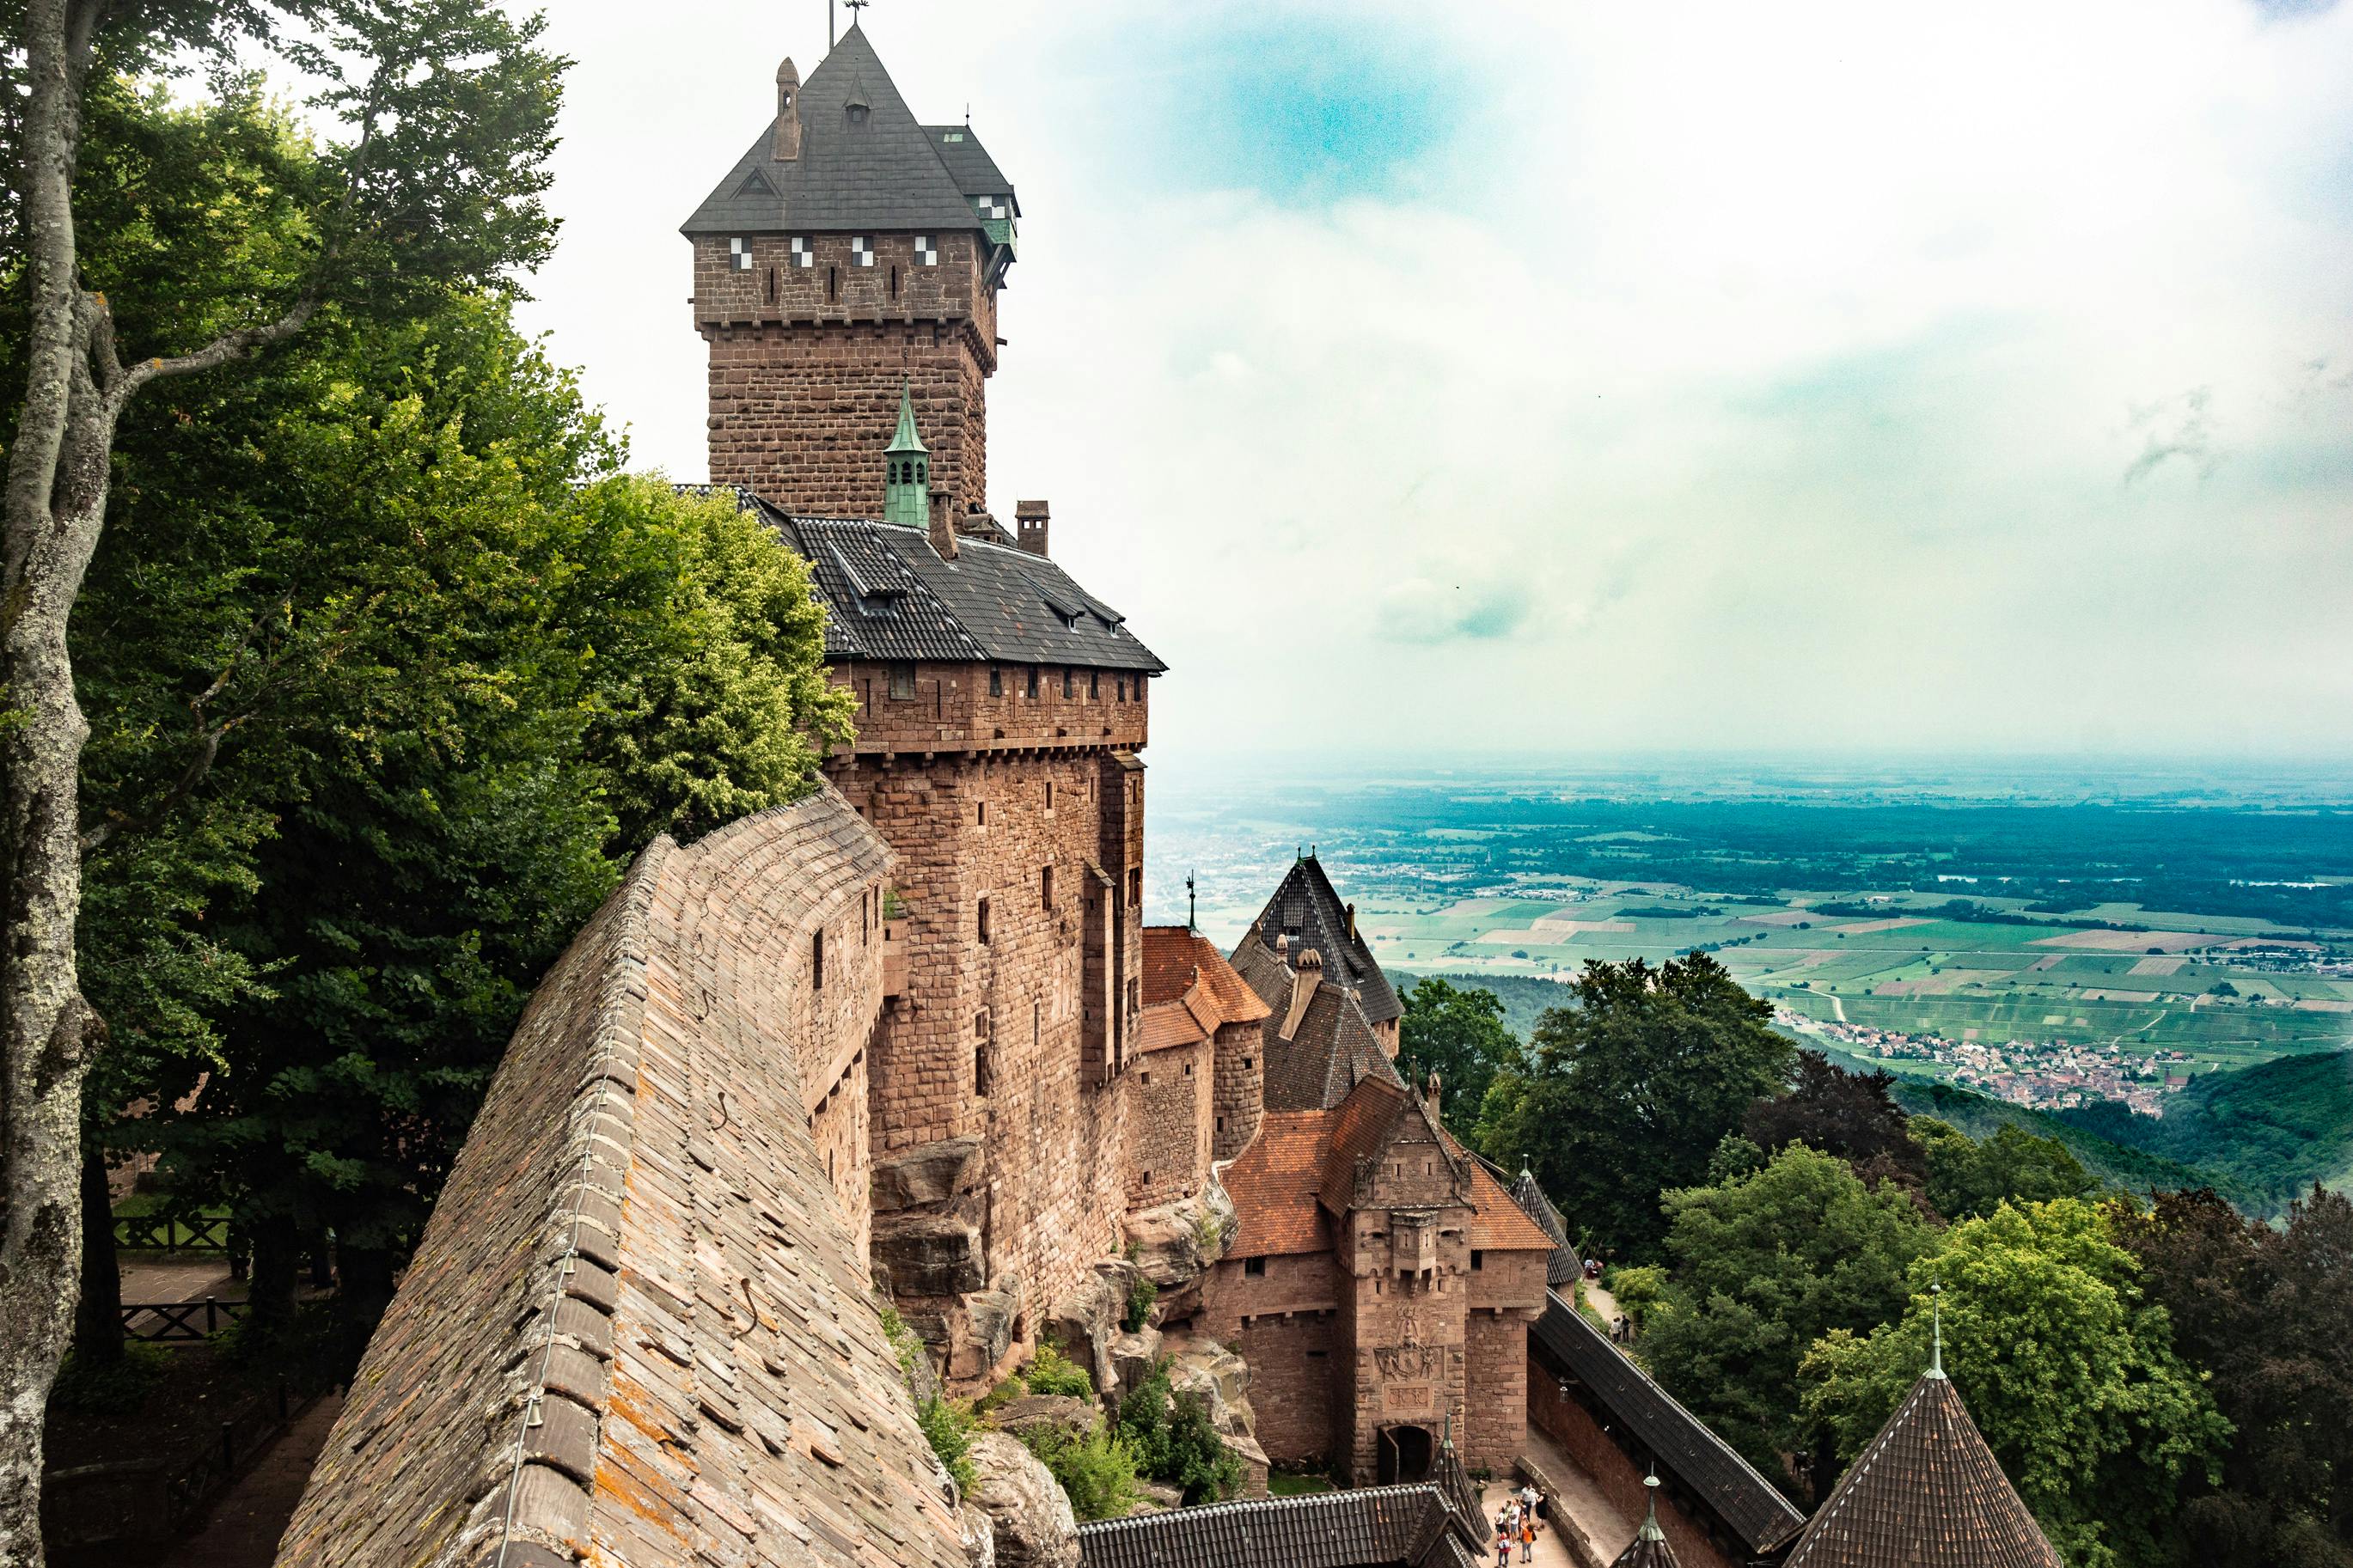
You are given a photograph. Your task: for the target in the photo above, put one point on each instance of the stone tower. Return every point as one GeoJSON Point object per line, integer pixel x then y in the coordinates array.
{"type": "Point", "coordinates": [849, 262]}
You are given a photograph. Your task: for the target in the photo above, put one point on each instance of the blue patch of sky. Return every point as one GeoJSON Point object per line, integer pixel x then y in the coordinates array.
{"type": "Point", "coordinates": [1306, 109]}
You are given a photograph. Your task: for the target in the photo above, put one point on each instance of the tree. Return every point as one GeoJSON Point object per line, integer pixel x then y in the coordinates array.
{"type": "Point", "coordinates": [1763, 1267]}
{"type": "Point", "coordinates": [1459, 1035]}
{"type": "Point", "coordinates": [2068, 1369]}
{"type": "Point", "coordinates": [1632, 1088]}
{"type": "Point", "coordinates": [1851, 1115]}
{"type": "Point", "coordinates": [2267, 1315]}
{"type": "Point", "coordinates": [1970, 1176]}
{"type": "Point", "coordinates": [450, 108]}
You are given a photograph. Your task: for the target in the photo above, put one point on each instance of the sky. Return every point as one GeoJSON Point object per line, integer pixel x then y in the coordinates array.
{"type": "Point", "coordinates": [1580, 378]}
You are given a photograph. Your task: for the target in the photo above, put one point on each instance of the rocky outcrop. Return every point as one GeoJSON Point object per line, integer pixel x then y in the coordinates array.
{"type": "Point", "coordinates": [979, 1537]}
{"type": "Point", "coordinates": [989, 1317]}
{"type": "Point", "coordinates": [1027, 1510]}
{"type": "Point", "coordinates": [1134, 1355]}
{"type": "Point", "coordinates": [1175, 1243]}
{"type": "Point", "coordinates": [1221, 1381]}
{"type": "Point", "coordinates": [933, 1175]}
{"type": "Point", "coordinates": [1083, 1324]}
{"type": "Point", "coordinates": [928, 1253]}
{"type": "Point", "coordinates": [1076, 1417]}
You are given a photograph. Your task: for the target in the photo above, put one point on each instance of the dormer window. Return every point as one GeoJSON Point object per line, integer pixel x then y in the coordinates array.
{"type": "Point", "coordinates": [926, 253]}
{"type": "Point", "coordinates": [804, 253]}
{"type": "Point", "coordinates": [738, 254]}
{"type": "Point", "coordinates": [858, 112]}
{"type": "Point", "coordinates": [861, 251]}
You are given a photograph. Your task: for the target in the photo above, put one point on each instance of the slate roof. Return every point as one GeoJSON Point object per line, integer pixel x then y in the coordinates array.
{"type": "Point", "coordinates": [637, 1330]}
{"type": "Point", "coordinates": [1564, 1265]}
{"type": "Point", "coordinates": [969, 165]}
{"type": "Point", "coordinates": [1308, 910]}
{"type": "Point", "coordinates": [1926, 1492]}
{"type": "Point", "coordinates": [889, 596]}
{"type": "Point", "coordinates": [1369, 1527]}
{"type": "Point", "coordinates": [1333, 1050]}
{"type": "Point", "coordinates": [888, 173]}
{"type": "Point", "coordinates": [1704, 1464]}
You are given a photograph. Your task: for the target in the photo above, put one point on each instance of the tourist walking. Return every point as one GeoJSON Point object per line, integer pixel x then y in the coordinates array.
{"type": "Point", "coordinates": [1527, 1538]}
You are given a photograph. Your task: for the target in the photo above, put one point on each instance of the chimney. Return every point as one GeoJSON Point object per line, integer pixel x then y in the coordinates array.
{"type": "Point", "coordinates": [943, 534]}
{"type": "Point", "coordinates": [1430, 1091]}
{"type": "Point", "coordinates": [1352, 922]}
{"type": "Point", "coordinates": [1030, 518]}
{"type": "Point", "coordinates": [789, 114]}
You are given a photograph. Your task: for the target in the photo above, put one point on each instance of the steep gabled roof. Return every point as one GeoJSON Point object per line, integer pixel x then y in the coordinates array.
{"type": "Point", "coordinates": [883, 170]}
{"type": "Point", "coordinates": [1273, 1185]}
{"type": "Point", "coordinates": [1331, 1050]}
{"type": "Point", "coordinates": [1564, 1265]}
{"type": "Point", "coordinates": [889, 596]}
{"type": "Point", "coordinates": [1369, 1527]}
{"type": "Point", "coordinates": [1706, 1466]}
{"type": "Point", "coordinates": [1928, 1493]}
{"type": "Point", "coordinates": [969, 165]}
{"type": "Point", "coordinates": [1308, 911]}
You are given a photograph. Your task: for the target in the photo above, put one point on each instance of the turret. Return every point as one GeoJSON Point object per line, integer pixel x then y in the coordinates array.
{"type": "Point", "coordinates": [907, 469]}
{"type": "Point", "coordinates": [787, 143]}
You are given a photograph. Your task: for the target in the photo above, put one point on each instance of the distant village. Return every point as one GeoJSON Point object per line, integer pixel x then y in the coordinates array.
{"type": "Point", "coordinates": [2054, 1075]}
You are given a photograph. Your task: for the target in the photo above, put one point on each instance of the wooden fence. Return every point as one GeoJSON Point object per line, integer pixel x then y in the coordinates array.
{"type": "Point", "coordinates": [179, 1322]}
{"type": "Point", "coordinates": [162, 1233]}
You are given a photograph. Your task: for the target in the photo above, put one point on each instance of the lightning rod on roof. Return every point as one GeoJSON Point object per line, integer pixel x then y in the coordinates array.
{"type": "Point", "coordinates": [1191, 909]}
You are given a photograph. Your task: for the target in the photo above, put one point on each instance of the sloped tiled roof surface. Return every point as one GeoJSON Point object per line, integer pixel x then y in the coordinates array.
{"type": "Point", "coordinates": [1500, 1225]}
{"type": "Point", "coordinates": [1306, 907]}
{"type": "Point", "coordinates": [889, 596]}
{"type": "Point", "coordinates": [708, 1381]}
{"type": "Point", "coordinates": [1334, 1051]}
{"type": "Point", "coordinates": [1647, 1552]}
{"type": "Point", "coordinates": [1926, 1493]}
{"type": "Point", "coordinates": [1176, 956]}
{"type": "Point", "coordinates": [1681, 1444]}
{"type": "Point", "coordinates": [1564, 1265]}
{"type": "Point", "coordinates": [968, 163]}
{"type": "Point", "coordinates": [1370, 1527]}
{"type": "Point", "coordinates": [1273, 1184]}
{"type": "Point", "coordinates": [885, 171]}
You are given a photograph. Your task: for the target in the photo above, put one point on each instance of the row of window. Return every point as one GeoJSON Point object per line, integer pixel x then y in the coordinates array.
{"type": "Point", "coordinates": [902, 682]}
{"type": "Point", "coordinates": [804, 251]}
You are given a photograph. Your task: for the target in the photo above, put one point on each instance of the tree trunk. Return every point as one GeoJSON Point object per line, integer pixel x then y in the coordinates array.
{"type": "Point", "coordinates": [98, 1321]}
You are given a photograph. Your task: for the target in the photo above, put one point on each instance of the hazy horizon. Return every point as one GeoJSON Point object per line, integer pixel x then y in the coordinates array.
{"type": "Point", "coordinates": [1835, 382]}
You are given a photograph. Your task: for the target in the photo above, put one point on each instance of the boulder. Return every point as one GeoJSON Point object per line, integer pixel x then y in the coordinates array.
{"type": "Point", "coordinates": [1221, 1380]}
{"type": "Point", "coordinates": [989, 1317]}
{"type": "Point", "coordinates": [1254, 1463]}
{"type": "Point", "coordinates": [1028, 1512]}
{"type": "Point", "coordinates": [1175, 1243]}
{"type": "Point", "coordinates": [931, 1173]}
{"type": "Point", "coordinates": [1076, 1417]}
{"type": "Point", "coordinates": [929, 1255]}
{"type": "Point", "coordinates": [1132, 1355]}
{"type": "Point", "coordinates": [1082, 1324]}
{"type": "Point", "coordinates": [1157, 1497]}
{"type": "Point", "coordinates": [979, 1537]}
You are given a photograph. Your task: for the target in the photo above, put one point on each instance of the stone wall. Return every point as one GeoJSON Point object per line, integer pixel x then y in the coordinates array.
{"type": "Point", "coordinates": [953, 708]}
{"type": "Point", "coordinates": [1238, 1093]}
{"type": "Point", "coordinates": [635, 1329]}
{"type": "Point", "coordinates": [1297, 1367]}
{"type": "Point", "coordinates": [807, 364]}
{"type": "Point", "coordinates": [1562, 1418]}
{"type": "Point", "coordinates": [1168, 1096]}
{"type": "Point", "coordinates": [1495, 1407]}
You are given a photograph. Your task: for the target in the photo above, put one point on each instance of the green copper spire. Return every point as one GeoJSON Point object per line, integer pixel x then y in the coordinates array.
{"type": "Point", "coordinates": [906, 492]}
{"type": "Point", "coordinates": [1651, 1530]}
{"type": "Point", "coordinates": [1937, 1322]}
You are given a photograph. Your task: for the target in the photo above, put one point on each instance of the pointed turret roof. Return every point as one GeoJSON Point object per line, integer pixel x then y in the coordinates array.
{"type": "Point", "coordinates": [1648, 1549]}
{"type": "Point", "coordinates": [1307, 913]}
{"type": "Point", "coordinates": [1926, 1493]}
{"type": "Point", "coordinates": [878, 168]}
{"type": "Point", "coordinates": [904, 438]}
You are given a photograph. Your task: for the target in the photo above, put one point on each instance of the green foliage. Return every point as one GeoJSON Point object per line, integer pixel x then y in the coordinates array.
{"type": "Point", "coordinates": [1975, 1176]}
{"type": "Point", "coordinates": [2068, 1370]}
{"type": "Point", "coordinates": [1981, 1115]}
{"type": "Point", "coordinates": [948, 1425]}
{"type": "Point", "coordinates": [2266, 1133]}
{"type": "Point", "coordinates": [904, 1343]}
{"type": "Point", "coordinates": [1173, 1441]}
{"type": "Point", "coordinates": [2266, 1313]}
{"type": "Point", "coordinates": [1050, 1373]}
{"type": "Point", "coordinates": [115, 1388]}
{"type": "Point", "coordinates": [1848, 1114]}
{"type": "Point", "coordinates": [1762, 1269]}
{"type": "Point", "coordinates": [1639, 1290]}
{"type": "Point", "coordinates": [1459, 1035]}
{"type": "Point", "coordinates": [1140, 1294]}
{"type": "Point", "coordinates": [1633, 1090]}
{"type": "Point", "coordinates": [1096, 1469]}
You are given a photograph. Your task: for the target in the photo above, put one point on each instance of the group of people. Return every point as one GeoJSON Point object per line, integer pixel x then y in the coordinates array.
{"type": "Point", "coordinates": [1523, 1515]}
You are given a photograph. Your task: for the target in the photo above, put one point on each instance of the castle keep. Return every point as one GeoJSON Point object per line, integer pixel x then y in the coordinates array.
{"type": "Point", "coordinates": [907, 1041]}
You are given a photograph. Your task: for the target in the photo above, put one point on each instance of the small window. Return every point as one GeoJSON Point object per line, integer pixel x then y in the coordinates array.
{"type": "Point", "coordinates": [980, 813]}
{"type": "Point", "coordinates": [1069, 683]}
{"type": "Point", "coordinates": [1189, 1069]}
{"type": "Point", "coordinates": [926, 253]}
{"type": "Point", "coordinates": [1254, 1267]}
{"type": "Point", "coordinates": [1148, 1083]}
{"type": "Point", "coordinates": [903, 680]}
{"type": "Point", "coordinates": [996, 682]}
{"type": "Point", "coordinates": [1478, 1258]}
{"type": "Point", "coordinates": [1033, 681]}
{"type": "Point", "coordinates": [861, 251]}
{"type": "Point", "coordinates": [1248, 1062]}
{"type": "Point", "coordinates": [738, 254]}
{"type": "Point", "coordinates": [1147, 1178]}
{"type": "Point", "coordinates": [816, 962]}
{"type": "Point", "coordinates": [804, 253]}
{"type": "Point", "coordinates": [1049, 795]}
{"type": "Point", "coordinates": [1221, 1124]}
{"type": "Point", "coordinates": [1123, 692]}
{"type": "Point", "coordinates": [983, 923]}
{"type": "Point", "coordinates": [1135, 887]}
{"type": "Point", "coordinates": [981, 1074]}
{"type": "Point", "coordinates": [1094, 684]}
{"type": "Point", "coordinates": [1046, 886]}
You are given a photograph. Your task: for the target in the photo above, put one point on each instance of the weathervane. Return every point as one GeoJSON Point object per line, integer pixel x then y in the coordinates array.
{"type": "Point", "coordinates": [1937, 1329]}
{"type": "Point", "coordinates": [1191, 923]}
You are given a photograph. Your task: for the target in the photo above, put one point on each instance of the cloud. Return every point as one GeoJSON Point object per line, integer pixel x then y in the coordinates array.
{"type": "Point", "coordinates": [1424, 611]}
{"type": "Point", "coordinates": [2176, 428]}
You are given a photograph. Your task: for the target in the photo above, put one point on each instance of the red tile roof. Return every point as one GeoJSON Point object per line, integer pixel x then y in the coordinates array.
{"type": "Point", "coordinates": [1501, 1225]}
{"type": "Point", "coordinates": [1175, 958]}
{"type": "Point", "coordinates": [1273, 1185]}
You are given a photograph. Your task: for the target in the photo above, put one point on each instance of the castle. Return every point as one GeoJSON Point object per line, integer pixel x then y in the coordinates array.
{"type": "Point", "coordinates": [909, 1040]}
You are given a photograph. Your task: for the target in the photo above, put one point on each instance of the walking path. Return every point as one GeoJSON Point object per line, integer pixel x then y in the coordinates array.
{"type": "Point", "coordinates": [245, 1525]}
{"type": "Point", "coordinates": [1604, 1528]}
{"type": "Point", "coordinates": [176, 1280]}
{"type": "Point", "coordinates": [1551, 1550]}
